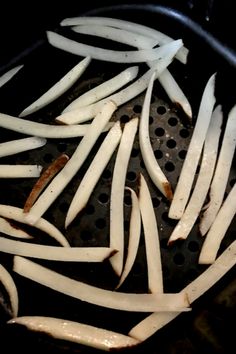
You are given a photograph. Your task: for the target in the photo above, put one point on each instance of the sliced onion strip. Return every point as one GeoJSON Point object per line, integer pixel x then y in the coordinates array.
{"type": "Point", "coordinates": [9, 75]}
{"type": "Point", "coordinates": [16, 146]}
{"type": "Point", "coordinates": [192, 211]}
{"type": "Point", "coordinates": [9, 284]}
{"type": "Point", "coordinates": [153, 254]}
{"type": "Point", "coordinates": [218, 229]}
{"type": "Point", "coordinates": [76, 332]}
{"type": "Point", "coordinates": [117, 194]}
{"type": "Point", "coordinates": [103, 90]}
{"type": "Point", "coordinates": [7, 229]}
{"type": "Point", "coordinates": [61, 180]}
{"type": "Point", "coordinates": [152, 166]}
{"type": "Point", "coordinates": [194, 290]}
{"type": "Point", "coordinates": [17, 214]}
{"type": "Point", "coordinates": [183, 188]}
{"type": "Point", "coordinates": [221, 175]}
{"type": "Point", "coordinates": [94, 172]}
{"type": "Point", "coordinates": [98, 296]}
{"type": "Point", "coordinates": [20, 171]}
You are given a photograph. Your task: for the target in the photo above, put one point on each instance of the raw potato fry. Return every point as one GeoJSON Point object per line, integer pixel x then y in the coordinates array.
{"type": "Point", "coordinates": [151, 164]}
{"type": "Point", "coordinates": [129, 26]}
{"type": "Point", "coordinates": [44, 130]}
{"type": "Point", "coordinates": [44, 179]}
{"type": "Point", "coordinates": [61, 180]}
{"type": "Point", "coordinates": [91, 336]}
{"type": "Point", "coordinates": [20, 171]}
{"type": "Point", "coordinates": [136, 56]}
{"type": "Point", "coordinates": [94, 172]}
{"type": "Point", "coordinates": [187, 173]}
{"type": "Point", "coordinates": [134, 237]}
{"type": "Point", "coordinates": [193, 209]}
{"type": "Point", "coordinates": [117, 194]}
{"type": "Point", "coordinates": [17, 214]}
{"type": "Point", "coordinates": [97, 296]}
{"type": "Point", "coordinates": [221, 175]}
{"type": "Point", "coordinates": [16, 146]}
{"type": "Point", "coordinates": [9, 75]}
{"type": "Point", "coordinates": [218, 229]}
{"type": "Point", "coordinates": [58, 89]}
{"type": "Point", "coordinates": [194, 290]}
{"type": "Point", "coordinates": [83, 114]}
{"type": "Point", "coordinates": [103, 90]}
{"type": "Point", "coordinates": [9, 284]}
{"type": "Point", "coordinates": [153, 254]}
{"type": "Point", "coordinates": [7, 229]}
{"type": "Point", "coordinates": [55, 253]}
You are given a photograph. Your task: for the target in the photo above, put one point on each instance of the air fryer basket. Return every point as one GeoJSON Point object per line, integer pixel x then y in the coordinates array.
{"type": "Point", "coordinates": [206, 329]}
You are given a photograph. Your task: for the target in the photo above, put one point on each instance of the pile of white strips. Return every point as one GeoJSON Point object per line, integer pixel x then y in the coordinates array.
{"type": "Point", "coordinates": [97, 106]}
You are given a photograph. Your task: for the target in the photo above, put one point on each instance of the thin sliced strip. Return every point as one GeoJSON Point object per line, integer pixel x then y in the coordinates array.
{"type": "Point", "coordinates": [76, 332]}
{"type": "Point", "coordinates": [218, 229]}
{"type": "Point", "coordinates": [43, 130]}
{"type": "Point", "coordinates": [103, 90]}
{"type": "Point", "coordinates": [129, 26]}
{"type": "Point", "coordinates": [193, 209]}
{"type": "Point", "coordinates": [194, 290]}
{"type": "Point", "coordinates": [152, 244]}
{"type": "Point", "coordinates": [20, 171]}
{"type": "Point", "coordinates": [93, 173]}
{"type": "Point", "coordinates": [55, 253]}
{"type": "Point", "coordinates": [9, 75]}
{"type": "Point", "coordinates": [136, 56]}
{"type": "Point", "coordinates": [134, 237]}
{"type": "Point", "coordinates": [9, 284]}
{"type": "Point", "coordinates": [184, 185]}
{"type": "Point", "coordinates": [17, 214]}
{"type": "Point", "coordinates": [58, 89]}
{"type": "Point", "coordinates": [98, 296]}
{"type": "Point", "coordinates": [83, 114]}
{"type": "Point", "coordinates": [16, 146]}
{"type": "Point", "coordinates": [152, 166]}
{"type": "Point", "coordinates": [117, 194]}
{"type": "Point", "coordinates": [221, 175]}
{"type": "Point", "coordinates": [7, 229]}
{"type": "Point", "coordinates": [117, 35]}
{"type": "Point", "coordinates": [82, 151]}
{"type": "Point", "coordinates": [44, 179]}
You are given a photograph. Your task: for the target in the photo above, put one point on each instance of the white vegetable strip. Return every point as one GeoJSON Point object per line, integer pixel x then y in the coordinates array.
{"type": "Point", "coordinates": [17, 214]}
{"type": "Point", "coordinates": [218, 229]}
{"type": "Point", "coordinates": [9, 284]}
{"type": "Point", "coordinates": [16, 146]}
{"type": "Point", "coordinates": [114, 56]}
{"type": "Point", "coordinates": [152, 166]}
{"type": "Point", "coordinates": [221, 175]}
{"type": "Point", "coordinates": [97, 296]}
{"type": "Point", "coordinates": [54, 253]}
{"type": "Point", "coordinates": [20, 171]}
{"type": "Point", "coordinates": [187, 174]}
{"type": "Point", "coordinates": [43, 130]}
{"type": "Point", "coordinates": [194, 290]}
{"type": "Point", "coordinates": [83, 114]}
{"type": "Point", "coordinates": [58, 89]}
{"type": "Point", "coordinates": [9, 75]}
{"type": "Point", "coordinates": [129, 26]}
{"type": "Point", "coordinates": [7, 229]}
{"type": "Point", "coordinates": [134, 237]}
{"type": "Point", "coordinates": [61, 180]}
{"type": "Point", "coordinates": [192, 211]}
{"type": "Point", "coordinates": [117, 35]}
{"type": "Point", "coordinates": [94, 172]}
{"type": "Point", "coordinates": [153, 254]}
{"type": "Point", "coordinates": [117, 194]}
{"type": "Point", "coordinates": [76, 332]}
{"type": "Point", "coordinates": [103, 90]}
